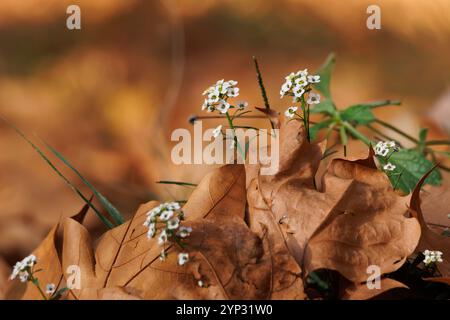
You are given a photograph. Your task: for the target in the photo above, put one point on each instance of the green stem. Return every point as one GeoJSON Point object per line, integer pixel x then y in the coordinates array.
{"type": "Point", "coordinates": [382, 135]}
{"type": "Point", "coordinates": [437, 142]}
{"type": "Point", "coordinates": [35, 282]}
{"type": "Point", "coordinates": [238, 145]}
{"type": "Point", "coordinates": [400, 132]}
{"type": "Point", "coordinates": [356, 133]}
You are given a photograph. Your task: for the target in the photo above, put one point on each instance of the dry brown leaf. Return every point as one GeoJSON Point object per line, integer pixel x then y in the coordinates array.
{"type": "Point", "coordinates": [430, 240]}
{"type": "Point", "coordinates": [362, 291]}
{"type": "Point", "coordinates": [5, 271]}
{"type": "Point", "coordinates": [368, 226]}
{"type": "Point", "coordinates": [436, 206]}
{"type": "Point", "coordinates": [224, 254]}
{"type": "Point", "coordinates": [48, 262]}
{"type": "Point", "coordinates": [356, 221]}
{"type": "Point", "coordinates": [112, 293]}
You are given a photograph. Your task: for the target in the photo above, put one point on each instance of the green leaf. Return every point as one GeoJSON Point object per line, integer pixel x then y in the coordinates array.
{"type": "Point", "coordinates": [67, 181]}
{"type": "Point", "coordinates": [325, 76]}
{"type": "Point", "coordinates": [314, 130]}
{"type": "Point", "coordinates": [326, 107]}
{"type": "Point", "coordinates": [358, 115]}
{"type": "Point", "coordinates": [411, 165]}
{"type": "Point", "coordinates": [113, 212]}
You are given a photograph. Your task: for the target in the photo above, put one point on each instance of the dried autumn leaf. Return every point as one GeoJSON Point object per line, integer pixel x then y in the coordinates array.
{"type": "Point", "coordinates": [48, 262]}
{"type": "Point", "coordinates": [224, 254]}
{"type": "Point", "coordinates": [357, 220]}
{"type": "Point", "coordinates": [368, 226]}
{"type": "Point", "coordinates": [430, 240]}
{"type": "Point", "coordinates": [4, 275]}
{"type": "Point", "coordinates": [363, 292]}
{"type": "Point", "coordinates": [436, 206]}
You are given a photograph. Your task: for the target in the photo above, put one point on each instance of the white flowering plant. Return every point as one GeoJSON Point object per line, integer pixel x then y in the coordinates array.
{"type": "Point", "coordinates": [166, 220]}
{"type": "Point", "coordinates": [298, 85]}
{"type": "Point", "coordinates": [311, 93]}
{"type": "Point", "coordinates": [404, 166]}
{"type": "Point", "coordinates": [217, 99]}
{"type": "Point", "coordinates": [25, 271]}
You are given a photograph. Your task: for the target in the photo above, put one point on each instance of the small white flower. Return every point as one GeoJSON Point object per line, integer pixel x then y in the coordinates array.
{"type": "Point", "coordinates": [241, 105]}
{"type": "Point", "coordinates": [200, 283]}
{"type": "Point", "coordinates": [174, 206]}
{"type": "Point", "coordinates": [21, 268]}
{"type": "Point", "coordinates": [302, 73]}
{"type": "Point", "coordinates": [213, 97]}
{"type": "Point", "coordinates": [290, 112]}
{"type": "Point", "coordinates": [391, 144]}
{"type": "Point", "coordinates": [184, 232]}
{"type": "Point", "coordinates": [50, 288]}
{"type": "Point", "coordinates": [290, 76]}
{"type": "Point", "coordinates": [163, 238]}
{"type": "Point", "coordinates": [166, 215]}
{"type": "Point", "coordinates": [302, 82]}
{"type": "Point", "coordinates": [314, 79]}
{"type": "Point", "coordinates": [432, 257]}
{"type": "Point", "coordinates": [298, 91]}
{"type": "Point", "coordinates": [223, 106]}
{"type": "Point", "coordinates": [23, 276]}
{"type": "Point", "coordinates": [389, 167]}
{"type": "Point", "coordinates": [151, 230]}
{"type": "Point", "coordinates": [381, 149]}
{"type": "Point", "coordinates": [233, 92]}
{"type": "Point", "coordinates": [313, 98]}
{"type": "Point", "coordinates": [173, 224]}
{"type": "Point", "coordinates": [183, 258]}
{"type": "Point", "coordinates": [217, 131]}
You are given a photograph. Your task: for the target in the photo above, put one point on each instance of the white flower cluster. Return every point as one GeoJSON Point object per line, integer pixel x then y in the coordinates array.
{"type": "Point", "coordinates": [297, 84]}
{"type": "Point", "coordinates": [167, 217]}
{"type": "Point", "coordinates": [23, 268]}
{"type": "Point", "coordinates": [218, 94]}
{"type": "Point", "coordinates": [432, 257]}
{"type": "Point", "coordinates": [383, 149]}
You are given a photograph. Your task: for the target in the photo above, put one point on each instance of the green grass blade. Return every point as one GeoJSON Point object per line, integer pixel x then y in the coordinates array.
{"type": "Point", "coordinates": [47, 160]}
{"type": "Point", "coordinates": [113, 212]}
{"type": "Point", "coordinates": [178, 183]}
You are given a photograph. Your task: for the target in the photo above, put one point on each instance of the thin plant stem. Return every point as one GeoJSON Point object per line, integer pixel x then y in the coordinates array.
{"type": "Point", "coordinates": [400, 132]}
{"type": "Point", "coordinates": [238, 145]}
{"type": "Point", "coordinates": [356, 133]}
{"type": "Point", "coordinates": [437, 142]}
{"type": "Point", "coordinates": [35, 282]}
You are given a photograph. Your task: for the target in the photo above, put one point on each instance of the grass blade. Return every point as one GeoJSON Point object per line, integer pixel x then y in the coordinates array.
{"type": "Point", "coordinates": [179, 183]}
{"type": "Point", "coordinates": [113, 212]}
{"type": "Point", "coordinates": [73, 187]}
{"type": "Point", "coordinates": [263, 89]}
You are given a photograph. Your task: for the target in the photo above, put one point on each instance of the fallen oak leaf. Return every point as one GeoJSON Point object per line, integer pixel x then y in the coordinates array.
{"type": "Point", "coordinates": [265, 207]}
{"type": "Point", "coordinates": [356, 215]}
{"type": "Point", "coordinates": [368, 226]}
{"type": "Point", "coordinates": [356, 291]}
{"type": "Point", "coordinates": [225, 252]}
{"type": "Point", "coordinates": [4, 275]}
{"type": "Point", "coordinates": [48, 262]}
{"type": "Point", "coordinates": [430, 240]}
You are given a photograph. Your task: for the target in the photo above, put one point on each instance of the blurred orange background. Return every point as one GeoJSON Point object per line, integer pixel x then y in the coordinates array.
{"type": "Point", "coordinates": [109, 95]}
